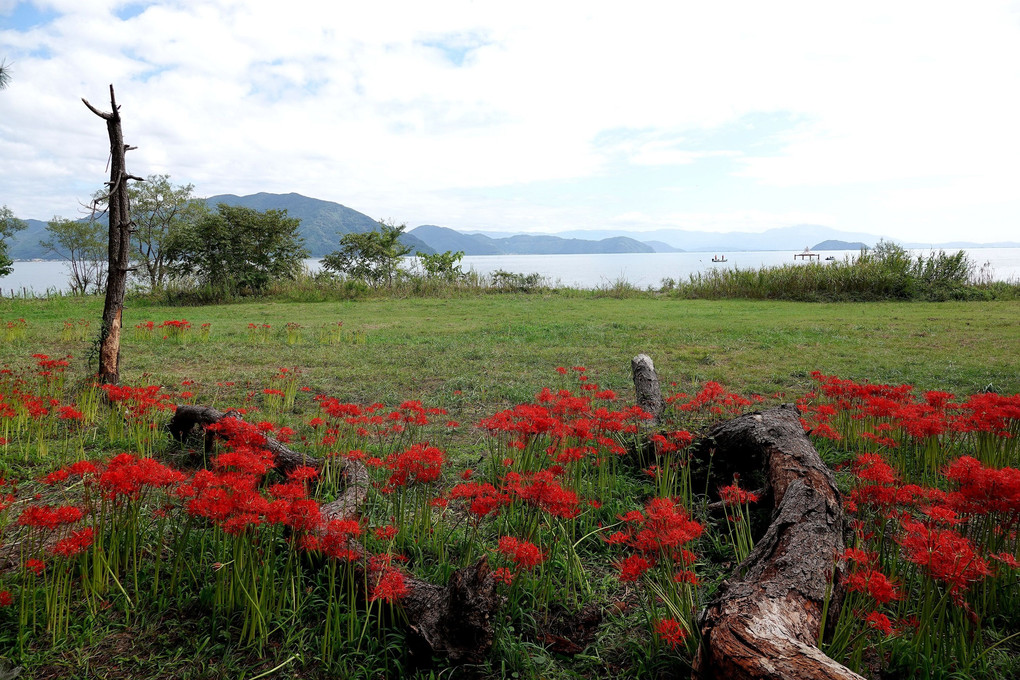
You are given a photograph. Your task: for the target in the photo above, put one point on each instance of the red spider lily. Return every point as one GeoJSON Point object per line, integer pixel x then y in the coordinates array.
{"type": "Point", "coordinates": [875, 583]}
{"type": "Point", "coordinates": [48, 516]}
{"type": "Point", "coordinates": [670, 632]}
{"type": "Point", "coordinates": [540, 490]}
{"type": "Point", "coordinates": [1007, 559]}
{"type": "Point", "coordinates": [303, 473]}
{"type": "Point", "coordinates": [335, 540]}
{"type": "Point", "coordinates": [55, 477]}
{"type": "Point", "coordinates": [483, 496]}
{"type": "Point", "coordinates": [662, 530]}
{"type": "Point", "coordinates": [527, 555]}
{"type": "Point", "coordinates": [946, 555]}
{"type": "Point", "coordinates": [734, 495]}
{"type": "Point", "coordinates": [879, 622]}
{"type": "Point", "coordinates": [138, 402]}
{"type": "Point", "coordinates": [503, 575]}
{"type": "Point", "coordinates": [390, 586]}
{"type": "Point", "coordinates": [6, 599]}
{"type": "Point", "coordinates": [75, 544]}
{"type": "Point", "coordinates": [983, 489]}
{"type": "Point", "coordinates": [70, 413]}
{"type": "Point", "coordinates": [386, 533]}
{"type": "Point", "coordinates": [672, 441]}
{"type": "Point", "coordinates": [686, 576]}
{"type": "Point", "coordinates": [419, 463]}
{"type": "Point", "coordinates": [35, 565]}
{"type": "Point", "coordinates": [128, 476]}
{"type": "Point", "coordinates": [712, 397]}
{"type": "Point", "coordinates": [632, 567]}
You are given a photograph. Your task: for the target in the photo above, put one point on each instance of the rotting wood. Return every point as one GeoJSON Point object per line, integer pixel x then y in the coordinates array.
{"type": "Point", "coordinates": [764, 620]}
{"type": "Point", "coordinates": [455, 620]}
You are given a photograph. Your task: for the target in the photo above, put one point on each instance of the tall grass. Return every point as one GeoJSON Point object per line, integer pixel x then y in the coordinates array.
{"type": "Point", "coordinates": [887, 272]}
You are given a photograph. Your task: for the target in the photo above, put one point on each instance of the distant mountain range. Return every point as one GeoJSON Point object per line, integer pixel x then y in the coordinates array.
{"type": "Point", "coordinates": [324, 222]}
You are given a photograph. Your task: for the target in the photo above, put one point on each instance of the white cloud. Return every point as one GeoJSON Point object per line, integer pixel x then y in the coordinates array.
{"type": "Point", "coordinates": [359, 104]}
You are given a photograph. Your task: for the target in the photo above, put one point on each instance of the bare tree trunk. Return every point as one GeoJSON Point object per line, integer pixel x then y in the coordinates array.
{"type": "Point", "coordinates": [119, 244]}
{"type": "Point", "coordinates": [764, 621]}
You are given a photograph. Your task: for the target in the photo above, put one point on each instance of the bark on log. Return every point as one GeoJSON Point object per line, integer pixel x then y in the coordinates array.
{"type": "Point", "coordinates": [646, 385]}
{"type": "Point", "coordinates": [765, 619]}
{"type": "Point", "coordinates": [455, 620]}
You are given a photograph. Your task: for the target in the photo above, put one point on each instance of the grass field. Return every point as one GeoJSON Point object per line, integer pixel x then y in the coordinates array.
{"type": "Point", "coordinates": [472, 356]}
{"type": "Point", "coordinates": [497, 349]}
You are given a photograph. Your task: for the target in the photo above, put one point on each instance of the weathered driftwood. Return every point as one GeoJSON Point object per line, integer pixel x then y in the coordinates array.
{"type": "Point", "coordinates": [646, 386]}
{"type": "Point", "coordinates": [455, 620]}
{"type": "Point", "coordinates": [765, 619]}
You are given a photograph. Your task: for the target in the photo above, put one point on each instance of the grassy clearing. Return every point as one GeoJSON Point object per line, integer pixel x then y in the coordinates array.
{"type": "Point", "coordinates": [475, 356]}
{"type": "Point", "coordinates": [496, 349]}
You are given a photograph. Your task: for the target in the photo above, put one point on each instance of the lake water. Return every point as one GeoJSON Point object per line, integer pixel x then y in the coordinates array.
{"type": "Point", "coordinates": [579, 271]}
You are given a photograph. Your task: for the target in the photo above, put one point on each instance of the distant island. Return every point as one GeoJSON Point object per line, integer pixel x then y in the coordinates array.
{"type": "Point", "coordinates": [835, 244]}
{"type": "Point", "coordinates": [323, 223]}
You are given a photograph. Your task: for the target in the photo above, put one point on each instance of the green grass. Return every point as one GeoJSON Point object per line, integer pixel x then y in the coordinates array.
{"type": "Point", "coordinates": [475, 355]}
{"type": "Point", "coordinates": [499, 349]}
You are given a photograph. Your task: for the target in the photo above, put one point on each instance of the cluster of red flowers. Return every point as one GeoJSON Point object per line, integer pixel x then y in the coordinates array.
{"type": "Point", "coordinates": [524, 554]}
{"type": "Point", "coordinates": [139, 403]}
{"type": "Point", "coordinates": [735, 495]}
{"type": "Point", "coordinates": [573, 425]}
{"type": "Point", "coordinates": [934, 527]}
{"type": "Point", "coordinates": [714, 398]}
{"type": "Point", "coordinates": [657, 534]}
{"type": "Point", "coordinates": [419, 463]}
{"type": "Point", "coordinates": [896, 415]}
{"type": "Point", "coordinates": [670, 632]}
{"type": "Point", "coordinates": [346, 419]}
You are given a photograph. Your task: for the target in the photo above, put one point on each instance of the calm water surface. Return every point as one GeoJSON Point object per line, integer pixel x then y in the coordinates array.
{"type": "Point", "coordinates": [579, 271]}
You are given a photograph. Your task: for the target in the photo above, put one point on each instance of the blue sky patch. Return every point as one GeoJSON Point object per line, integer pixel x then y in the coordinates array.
{"type": "Point", "coordinates": [27, 15]}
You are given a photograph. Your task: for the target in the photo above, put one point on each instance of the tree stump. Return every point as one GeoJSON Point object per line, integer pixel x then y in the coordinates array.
{"type": "Point", "coordinates": [765, 619]}
{"type": "Point", "coordinates": [646, 385]}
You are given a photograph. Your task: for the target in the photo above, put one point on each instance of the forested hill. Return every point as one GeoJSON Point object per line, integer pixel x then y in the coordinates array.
{"type": "Point", "coordinates": [442, 239]}
{"type": "Point", "coordinates": [322, 222]}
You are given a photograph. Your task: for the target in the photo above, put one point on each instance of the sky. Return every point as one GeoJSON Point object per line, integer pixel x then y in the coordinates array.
{"type": "Point", "coordinates": [900, 119]}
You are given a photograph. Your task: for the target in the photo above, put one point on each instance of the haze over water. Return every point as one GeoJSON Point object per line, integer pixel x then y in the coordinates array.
{"type": "Point", "coordinates": [578, 271]}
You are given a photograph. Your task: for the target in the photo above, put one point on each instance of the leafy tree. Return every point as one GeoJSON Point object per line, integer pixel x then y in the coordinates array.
{"type": "Point", "coordinates": [373, 256]}
{"type": "Point", "coordinates": [159, 210]}
{"type": "Point", "coordinates": [236, 249]}
{"type": "Point", "coordinates": [442, 266]}
{"type": "Point", "coordinates": [8, 225]}
{"type": "Point", "coordinates": [83, 245]}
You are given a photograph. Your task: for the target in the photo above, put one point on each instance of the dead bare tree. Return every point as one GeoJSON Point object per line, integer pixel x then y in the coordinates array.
{"type": "Point", "coordinates": [119, 213]}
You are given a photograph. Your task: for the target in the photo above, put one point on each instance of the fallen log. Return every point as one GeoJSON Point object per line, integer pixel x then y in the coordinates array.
{"type": "Point", "coordinates": [455, 620]}
{"type": "Point", "coordinates": [764, 621]}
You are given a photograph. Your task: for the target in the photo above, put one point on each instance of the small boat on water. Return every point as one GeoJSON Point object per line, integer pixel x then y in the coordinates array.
{"type": "Point", "coordinates": [830, 258]}
{"type": "Point", "coordinates": [718, 258]}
